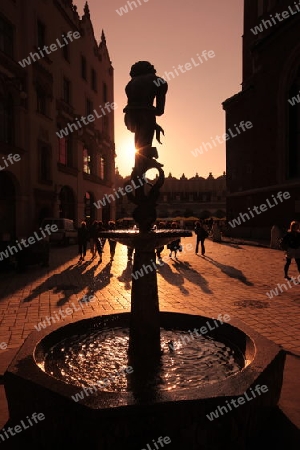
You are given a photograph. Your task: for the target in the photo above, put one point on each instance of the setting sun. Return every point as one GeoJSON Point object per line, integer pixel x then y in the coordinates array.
{"type": "Point", "coordinates": [125, 154]}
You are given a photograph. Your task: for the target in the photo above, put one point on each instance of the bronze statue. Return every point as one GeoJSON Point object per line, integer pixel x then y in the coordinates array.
{"type": "Point", "coordinates": [140, 118]}
{"type": "Point", "coordinates": [140, 112]}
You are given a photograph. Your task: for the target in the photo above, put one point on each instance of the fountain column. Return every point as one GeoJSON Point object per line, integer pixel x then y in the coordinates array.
{"type": "Point", "coordinates": [144, 323]}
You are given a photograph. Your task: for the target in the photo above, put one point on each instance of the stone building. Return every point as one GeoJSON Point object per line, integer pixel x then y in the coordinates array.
{"type": "Point", "coordinates": [57, 114]}
{"type": "Point", "coordinates": [196, 196]}
{"type": "Point", "coordinates": [264, 161]}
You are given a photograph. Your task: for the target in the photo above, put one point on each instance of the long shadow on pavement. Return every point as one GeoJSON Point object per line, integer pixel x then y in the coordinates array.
{"type": "Point", "coordinates": [11, 281]}
{"type": "Point", "coordinates": [126, 276]}
{"type": "Point", "coordinates": [99, 281]}
{"type": "Point", "coordinates": [171, 277]}
{"type": "Point", "coordinates": [184, 272]}
{"type": "Point", "coordinates": [230, 271]}
{"type": "Point", "coordinates": [83, 279]}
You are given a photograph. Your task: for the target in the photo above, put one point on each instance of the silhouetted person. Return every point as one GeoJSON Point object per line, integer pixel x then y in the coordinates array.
{"type": "Point", "coordinates": [93, 238]}
{"type": "Point", "coordinates": [175, 245]}
{"type": "Point", "coordinates": [83, 236]}
{"type": "Point", "coordinates": [291, 242]}
{"type": "Point", "coordinates": [159, 250]}
{"type": "Point", "coordinates": [201, 235]}
{"type": "Point", "coordinates": [112, 243]}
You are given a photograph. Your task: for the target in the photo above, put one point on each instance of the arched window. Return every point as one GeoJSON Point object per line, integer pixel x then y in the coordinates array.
{"type": "Point", "coordinates": [294, 128]}
{"type": "Point", "coordinates": [89, 210]}
{"type": "Point", "coordinates": [67, 203]}
{"type": "Point", "coordinates": [45, 162]}
{"type": "Point", "coordinates": [260, 7]}
{"type": "Point", "coordinates": [87, 160]}
{"type": "Point", "coordinates": [65, 156]}
{"type": "Point", "coordinates": [7, 120]}
{"type": "Point", "coordinates": [6, 37]}
{"type": "Point", "coordinates": [41, 100]}
{"type": "Point", "coordinates": [101, 167]}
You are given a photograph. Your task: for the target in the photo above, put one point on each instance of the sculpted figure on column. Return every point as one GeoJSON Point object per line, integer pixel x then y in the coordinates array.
{"type": "Point", "coordinates": [143, 90]}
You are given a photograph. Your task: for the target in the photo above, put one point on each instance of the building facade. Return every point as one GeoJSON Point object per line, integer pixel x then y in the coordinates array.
{"type": "Point", "coordinates": [57, 151]}
{"type": "Point", "coordinates": [263, 162]}
{"type": "Point", "coordinates": [184, 197]}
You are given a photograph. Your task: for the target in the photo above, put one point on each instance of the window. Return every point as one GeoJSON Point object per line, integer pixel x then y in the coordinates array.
{"type": "Point", "coordinates": [87, 206]}
{"type": "Point", "coordinates": [6, 37]}
{"type": "Point", "coordinates": [94, 80]}
{"type": "Point", "coordinates": [89, 107]}
{"type": "Point", "coordinates": [7, 120]}
{"type": "Point", "coordinates": [45, 162]}
{"type": "Point", "coordinates": [260, 7]}
{"type": "Point", "coordinates": [41, 34]}
{"type": "Point", "coordinates": [65, 51]}
{"type": "Point", "coordinates": [101, 167]}
{"type": "Point", "coordinates": [67, 90]}
{"type": "Point", "coordinates": [104, 92]}
{"type": "Point", "coordinates": [264, 6]}
{"type": "Point", "coordinates": [65, 150]}
{"type": "Point", "coordinates": [105, 124]}
{"type": "Point", "coordinates": [86, 160]}
{"type": "Point", "coordinates": [294, 129]}
{"type": "Point", "coordinates": [83, 67]}
{"type": "Point", "coordinates": [41, 98]}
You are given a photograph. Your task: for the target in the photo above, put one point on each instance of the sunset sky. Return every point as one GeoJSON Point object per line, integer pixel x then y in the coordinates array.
{"type": "Point", "coordinates": [169, 34]}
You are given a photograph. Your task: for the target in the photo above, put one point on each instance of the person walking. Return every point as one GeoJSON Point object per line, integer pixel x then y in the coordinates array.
{"type": "Point", "coordinates": [291, 244]}
{"type": "Point", "coordinates": [175, 245]}
{"type": "Point", "coordinates": [83, 236]}
{"type": "Point", "coordinates": [93, 238]}
{"type": "Point", "coordinates": [101, 227]}
{"type": "Point", "coordinates": [160, 226]}
{"type": "Point", "coordinates": [112, 243]}
{"type": "Point", "coordinates": [99, 241]}
{"type": "Point", "coordinates": [201, 235]}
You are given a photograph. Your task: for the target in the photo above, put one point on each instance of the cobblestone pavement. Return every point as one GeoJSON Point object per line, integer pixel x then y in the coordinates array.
{"type": "Point", "coordinates": [232, 279]}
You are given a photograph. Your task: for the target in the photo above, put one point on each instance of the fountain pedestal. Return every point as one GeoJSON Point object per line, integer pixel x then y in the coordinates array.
{"type": "Point", "coordinates": [144, 322]}
{"type": "Point", "coordinates": [145, 325]}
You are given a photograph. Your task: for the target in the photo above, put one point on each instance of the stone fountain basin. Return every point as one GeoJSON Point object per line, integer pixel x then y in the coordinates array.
{"type": "Point", "coordinates": [112, 421]}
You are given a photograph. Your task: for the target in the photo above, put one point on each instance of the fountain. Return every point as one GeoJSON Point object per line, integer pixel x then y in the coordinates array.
{"type": "Point", "coordinates": [135, 380]}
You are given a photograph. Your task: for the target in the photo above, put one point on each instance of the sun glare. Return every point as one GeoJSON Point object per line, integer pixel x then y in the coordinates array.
{"type": "Point", "coordinates": [125, 155]}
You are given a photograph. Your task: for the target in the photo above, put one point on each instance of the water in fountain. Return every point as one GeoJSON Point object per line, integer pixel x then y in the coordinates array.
{"type": "Point", "coordinates": [89, 359]}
